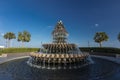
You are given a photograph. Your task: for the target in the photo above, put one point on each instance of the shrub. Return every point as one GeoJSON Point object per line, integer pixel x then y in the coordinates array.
{"type": "Point", "coordinates": [103, 49]}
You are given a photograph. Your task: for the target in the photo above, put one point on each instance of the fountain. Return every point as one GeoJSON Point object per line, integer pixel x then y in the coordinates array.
{"type": "Point", "coordinates": [59, 54]}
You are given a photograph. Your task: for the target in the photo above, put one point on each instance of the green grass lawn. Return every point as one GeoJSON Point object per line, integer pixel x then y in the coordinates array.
{"type": "Point", "coordinates": [83, 49]}
{"type": "Point", "coordinates": [18, 50]}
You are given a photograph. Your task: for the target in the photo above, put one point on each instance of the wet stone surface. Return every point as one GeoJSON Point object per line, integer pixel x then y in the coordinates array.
{"type": "Point", "coordinates": [100, 70]}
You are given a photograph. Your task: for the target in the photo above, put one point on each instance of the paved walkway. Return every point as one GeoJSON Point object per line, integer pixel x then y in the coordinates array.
{"type": "Point", "coordinates": [12, 56]}
{"type": "Point", "coordinates": [114, 59]}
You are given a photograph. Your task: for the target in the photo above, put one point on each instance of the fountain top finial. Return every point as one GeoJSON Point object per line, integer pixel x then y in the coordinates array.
{"type": "Point", "coordinates": [60, 22]}
{"type": "Point", "coordinates": [59, 33]}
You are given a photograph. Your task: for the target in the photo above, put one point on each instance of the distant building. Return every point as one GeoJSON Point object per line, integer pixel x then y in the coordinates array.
{"type": "Point", "coordinates": [1, 47]}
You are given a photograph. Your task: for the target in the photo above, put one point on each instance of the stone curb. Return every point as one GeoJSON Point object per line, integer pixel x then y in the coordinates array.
{"type": "Point", "coordinates": [113, 59]}
{"type": "Point", "coordinates": [3, 55]}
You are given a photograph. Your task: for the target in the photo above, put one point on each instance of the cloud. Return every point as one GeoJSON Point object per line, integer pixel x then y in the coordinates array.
{"type": "Point", "coordinates": [2, 34]}
{"type": "Point", "coordinates": [96, 25]}
{"type": "Point", "coordinates": [50, 26]}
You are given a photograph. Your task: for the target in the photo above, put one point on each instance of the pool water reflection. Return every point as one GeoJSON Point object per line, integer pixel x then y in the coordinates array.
{"type": "Point", "coordinates": [100, 70]}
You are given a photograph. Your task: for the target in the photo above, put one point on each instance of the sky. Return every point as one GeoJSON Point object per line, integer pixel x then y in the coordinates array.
{"type": "Point", "coordinates": [81, 18]}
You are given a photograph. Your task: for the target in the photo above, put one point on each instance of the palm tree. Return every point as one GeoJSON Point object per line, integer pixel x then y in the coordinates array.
{"type": "Point", "coordinates": [8, 36]}
{"type": "Point", "coordinates": [100, 37]}
{"type": "Point", "coordinates": [24, 37]}
{"type": "Point", "coordinates": [119, 36]}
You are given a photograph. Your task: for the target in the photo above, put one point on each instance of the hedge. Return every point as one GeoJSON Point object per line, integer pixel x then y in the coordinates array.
{"type": "Point", "coordinates": [102, 49]}
{"type": "Point", "coordinates": [18, 50]}
{"type": "Point", "coordinates": [84, 49]}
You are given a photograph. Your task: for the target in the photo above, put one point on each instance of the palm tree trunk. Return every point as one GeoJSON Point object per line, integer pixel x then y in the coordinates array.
{"type": "Point", "coordinates": [22, 44]}
{"type": "Point", "coordinates": [100, 44]}
{"type": "Point", "coordinates": [8, 43]}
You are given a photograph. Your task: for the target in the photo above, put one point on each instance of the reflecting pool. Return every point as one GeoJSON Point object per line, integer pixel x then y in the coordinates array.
{"type": "Point", "coordinates": [100, 70]}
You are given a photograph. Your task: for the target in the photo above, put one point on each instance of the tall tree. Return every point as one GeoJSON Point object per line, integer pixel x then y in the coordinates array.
{"type": "Point", "coordinates": [8, 36]}
{"type": "Point", "coordinates": [100, 37]}
{"type": "Point", "coordinates": [119, 36]}
{"type": "Point", "coordinates": [24, 37]}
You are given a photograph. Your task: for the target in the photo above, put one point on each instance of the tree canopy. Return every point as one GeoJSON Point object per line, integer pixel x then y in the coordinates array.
{"type": "Point", "coordinates": [24, 36]}
{"type": "Point", "coordinates": [100, 37]}
{"type": "Point", "coordinates": [8, 36]}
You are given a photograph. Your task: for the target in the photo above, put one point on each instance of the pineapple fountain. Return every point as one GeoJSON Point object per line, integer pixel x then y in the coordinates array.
{"type": "Point", "coordinates": [59, 54]}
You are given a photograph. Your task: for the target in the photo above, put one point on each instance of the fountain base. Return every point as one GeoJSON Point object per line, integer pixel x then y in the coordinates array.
{"type": "Point", "coordinates": [58, 61]}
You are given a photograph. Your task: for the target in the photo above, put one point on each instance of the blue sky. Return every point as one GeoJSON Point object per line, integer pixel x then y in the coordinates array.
{"type": "Point", "coordinates": [82, 19]}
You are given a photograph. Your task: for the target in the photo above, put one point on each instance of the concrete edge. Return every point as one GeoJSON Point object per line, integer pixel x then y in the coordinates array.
{"type": "Point", "coordinates": [13, 59]}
